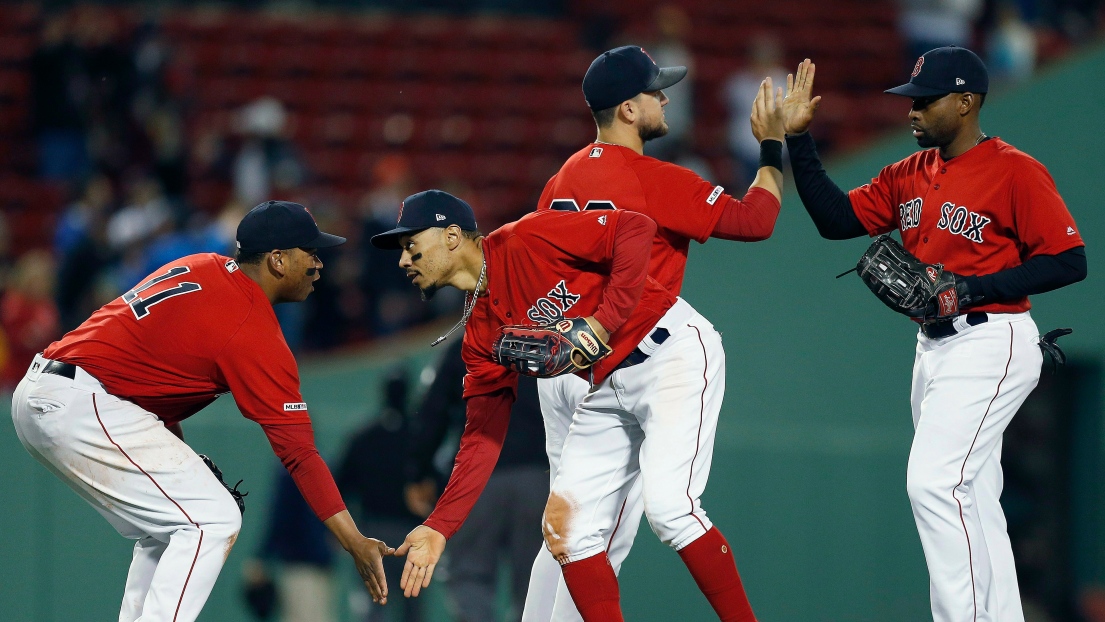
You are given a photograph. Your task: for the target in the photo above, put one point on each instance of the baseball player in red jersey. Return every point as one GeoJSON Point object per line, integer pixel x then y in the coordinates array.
{"type": "Point", "coordinates": [102, 409]}
{"type": "Point", "coordinates": [992, 216]}
{"type": "Point", "coordinates": [624, 89]}
{"type": "Point", "coordinates": [652, 410]}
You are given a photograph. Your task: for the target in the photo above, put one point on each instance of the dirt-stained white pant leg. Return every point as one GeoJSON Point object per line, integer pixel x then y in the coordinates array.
{"type": "Point", "coordinates": [677, 395]}
{"type": "Point", "coordinates": [143, 479]}
{"type": "Point", "coordinates": [674, 396]}
{"type": "Point", "coordinates": [598, 462]}
{"type": "Point", "coordinates": [548, 599]}
{"type": "Point", "coordinates": [966, 389]}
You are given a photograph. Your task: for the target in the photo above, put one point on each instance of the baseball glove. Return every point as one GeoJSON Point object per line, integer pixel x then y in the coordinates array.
{"type": "Point", "coordinates": [239, 497]}
{"type": "Point", "coordinates": [549, 351]}
{"type": "Point", "coordinates": [910, 286]}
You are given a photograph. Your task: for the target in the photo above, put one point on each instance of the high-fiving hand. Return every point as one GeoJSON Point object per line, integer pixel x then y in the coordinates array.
{"type": "Point", "coordinates": [767, 113]}
{"type": "Point", "coordinates": [423, 548]}
{"type": "Point", "coordinates": [799, 105]}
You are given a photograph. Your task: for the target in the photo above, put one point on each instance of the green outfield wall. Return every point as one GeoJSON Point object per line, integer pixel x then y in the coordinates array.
{"type": "Point", "coordinates": [808, 476]}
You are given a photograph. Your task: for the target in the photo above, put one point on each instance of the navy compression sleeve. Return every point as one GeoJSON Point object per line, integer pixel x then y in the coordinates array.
{"type": "Point", "coordinates": [826, 203]}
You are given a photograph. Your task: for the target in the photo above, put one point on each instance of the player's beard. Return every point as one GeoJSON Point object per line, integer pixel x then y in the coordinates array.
{"type": "Point", "coordinates": [428, 291]}
{"type": "Point", "coordinates": [935, 136]}
{"type": "Point", "coordinates": [654, 131]}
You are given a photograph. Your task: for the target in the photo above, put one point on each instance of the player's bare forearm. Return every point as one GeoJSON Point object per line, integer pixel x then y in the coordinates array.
{"type": "Point", "coordinates": [343, 528]}
{"type": "Point", "coordinates": [771, 179]}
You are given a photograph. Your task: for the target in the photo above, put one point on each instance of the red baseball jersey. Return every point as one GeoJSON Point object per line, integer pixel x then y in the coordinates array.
{"type": "Point", "coordinates": [986, 210]}
{"type": "Point", "coordinates": [191, 331]}
{"type": "Point", "coordinates": [546, 266]}
{"type": "Point", "coordinates": [684, 206]}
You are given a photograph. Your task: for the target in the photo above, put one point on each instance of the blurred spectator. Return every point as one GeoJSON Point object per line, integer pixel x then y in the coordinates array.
{"type": "Point", "coordinates": [129, 231]}
{"type": "Point", "coordinates": [28, 316]}
{"type": "Point", "coordinates": [370, 478]}
{"type": "Point", "coordinates": [673, 25]}
{"type": "Point", "coordinates": [95, 203]}
{"type": "Point", "coordinates": [392, 304]}
{"type": "Point", "coordinates": [57, 86]}
{"type": "Point", "coordinates": [928, 24]}
{"type": "Point", "coordinates": [266, 162]}
{"type": "Point", "coordinates": [505, 522]}
{"type": "Point", "coordinates": [84, 255]}
{"type": "Point", "coordinates": [765, 59]}
{"type": "Point", "coordinates": [1010, 46]}
{"type": "Point", "coordinates": [196, 233]}
{"type": "Point", "coordinates": [292, 572]}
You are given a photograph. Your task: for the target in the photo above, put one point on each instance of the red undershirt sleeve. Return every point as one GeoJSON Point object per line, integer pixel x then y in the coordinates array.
{"type": "Point", "coordinates": [628, 270]}
{"type": "Point", "coordinates": [749, 220]}
{"type": "Point", "coordinates": [294, 444]}
{"type": "Point", "coordinates": [484, 432]}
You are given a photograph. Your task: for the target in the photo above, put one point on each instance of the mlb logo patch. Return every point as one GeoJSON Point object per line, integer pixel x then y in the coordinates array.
{"type": "Point", "coordinates": [714, 195]}
{"type": "Point", "coordinates": [595, 152]}
{"type": "Point", "coordinates": [231, 266]}
{"type": "Point", "coordinates": [294, 406]}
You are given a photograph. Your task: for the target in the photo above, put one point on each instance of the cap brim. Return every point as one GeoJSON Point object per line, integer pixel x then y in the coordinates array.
{"type": "Point", "coordinates": [667, 77]}
{"type": "Point", "coordinates": [389, 240]}
{"type": "Point", "coordinates": [325, 240]}
{"type": "Point", "coordinates": [914, 90]}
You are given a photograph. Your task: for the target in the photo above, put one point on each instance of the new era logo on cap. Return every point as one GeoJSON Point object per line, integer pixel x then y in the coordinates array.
{"type": "Point", "coordinates": [960, 82]}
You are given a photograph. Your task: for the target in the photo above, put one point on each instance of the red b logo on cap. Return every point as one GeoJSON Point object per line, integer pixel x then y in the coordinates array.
{"type": "Point", "coordinates": [917, 67]}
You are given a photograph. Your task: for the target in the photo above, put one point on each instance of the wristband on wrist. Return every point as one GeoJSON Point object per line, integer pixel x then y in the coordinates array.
{"type": "Point", "coordinates": [771, 153]}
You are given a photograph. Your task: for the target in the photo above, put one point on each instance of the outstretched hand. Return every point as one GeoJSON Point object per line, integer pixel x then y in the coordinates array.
{"type": "Point", "coordinates": [423, 548]}
{"type": "Point", "coordinates": [767, 113]}
{"type": "Point", "coordinates": [799, 105]}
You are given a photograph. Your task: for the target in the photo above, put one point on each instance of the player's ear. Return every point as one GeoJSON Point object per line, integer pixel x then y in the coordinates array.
{"type": "Point", "coordinates": [967, 103]}
{"type": "Point", "coordinates": [628, 110]}
{"type": "Point", "coordinates": [277, 262]}
{"type": "Point", "coordinates": [453, 237]}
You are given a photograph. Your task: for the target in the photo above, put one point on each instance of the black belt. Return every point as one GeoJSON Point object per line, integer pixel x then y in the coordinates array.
{"type": "Point", "coordinates": [946, 328]}
{"type": "Point", "coordinates": [58, 368]}
{"type": "Point", "coordinates": [638, 356]}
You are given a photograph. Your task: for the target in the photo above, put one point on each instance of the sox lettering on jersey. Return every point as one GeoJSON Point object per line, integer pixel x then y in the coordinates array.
{"type": "Point", "coordinates": [553, 305]}
{"type": "Point", "coordinates": [961, 221]}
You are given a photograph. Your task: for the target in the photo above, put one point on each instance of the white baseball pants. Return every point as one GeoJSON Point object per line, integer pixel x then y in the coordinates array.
{"type": "Point", "coordinates": [966, 389]}
{"type": "Point", "coordinates": [639, 442]}
{"type": "Point", "coordinates": [548, 599]}
{"type": "Point", "coordinates": [139, 476]}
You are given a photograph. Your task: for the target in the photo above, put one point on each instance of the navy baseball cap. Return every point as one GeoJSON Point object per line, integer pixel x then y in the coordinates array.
{"type": "Point", "coordinates": [623, 73]}
{"type": "Point", "coordinates": [945, 70]}
{"type": "Point", "coordinates": [279, 225]}
{"type": "Point", "coordinates": [425, 210]}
